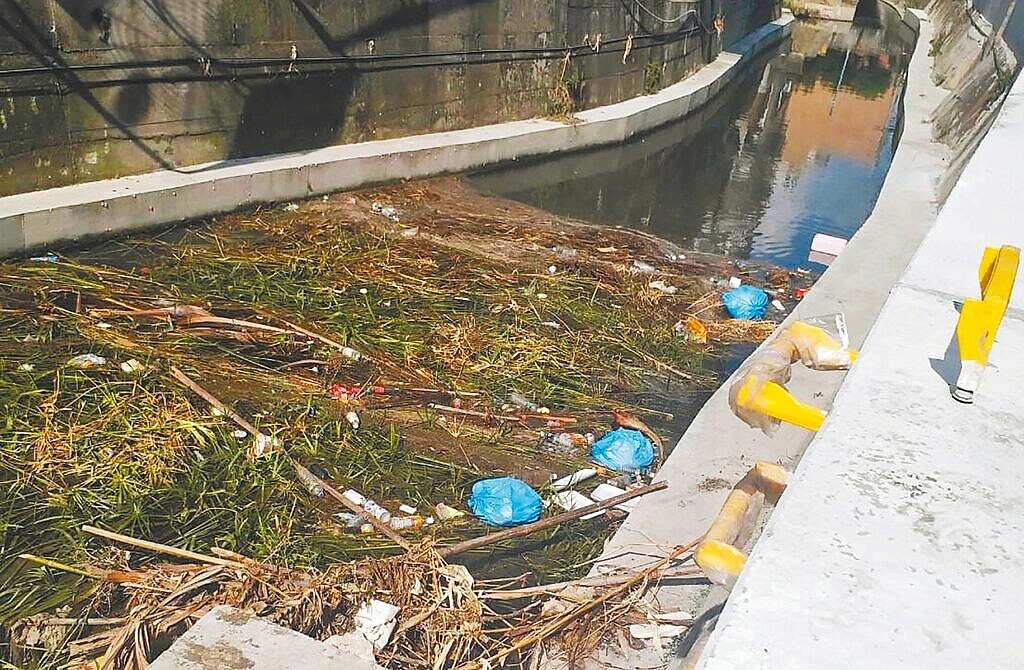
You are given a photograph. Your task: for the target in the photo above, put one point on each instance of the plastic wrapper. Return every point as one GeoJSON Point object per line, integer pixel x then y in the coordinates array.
{"type": "Point", "coordinates": [745, 302]}
{"type": "Point", "coordinates": [623, 450]}
{"type": "Point", "coordinates": [505, 501]}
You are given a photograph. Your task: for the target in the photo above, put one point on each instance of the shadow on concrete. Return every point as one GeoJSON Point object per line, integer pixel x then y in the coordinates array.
{"type": "Point", "coordinates": [293, 114]}
{"type": "Point", "coordinates": [948, 367]}
{"type": "Point", "coordinates": [695, 637]}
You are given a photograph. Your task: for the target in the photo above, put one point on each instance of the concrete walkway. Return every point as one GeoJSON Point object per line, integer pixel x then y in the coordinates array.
{"type": "Point", "coordinates": [898, 542]}
{"type": "Point", "coordinates": [718, 448]}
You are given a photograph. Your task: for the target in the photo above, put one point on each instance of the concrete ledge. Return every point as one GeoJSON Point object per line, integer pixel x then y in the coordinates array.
{"type": "Point", "coordinates": [897, 543]}
{"type": "Point", "coordinates": [718, 449]}
{"type": "Point", "coordinates": [33, 220]}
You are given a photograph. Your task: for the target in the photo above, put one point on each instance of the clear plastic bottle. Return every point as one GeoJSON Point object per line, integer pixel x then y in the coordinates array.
{"type": "Point", "coordinates": [522, 401]}
{"type": "Point", "coordinates": [371, 507]}
{"type": "Point", "coordinates": [309, 480]}
{"type": "Point", "coordinates": [400, 523]}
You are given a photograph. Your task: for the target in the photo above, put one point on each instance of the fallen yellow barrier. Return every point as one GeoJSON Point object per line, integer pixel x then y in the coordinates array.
{"type": "Point", "coordinates": [759, 396]}
{"type": "Point", "coordinates": [979, 319]}
{"type": "Point", "coordinates": [716, 555]}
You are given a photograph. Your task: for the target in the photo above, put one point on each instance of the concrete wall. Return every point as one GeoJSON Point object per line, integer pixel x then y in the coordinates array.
{"type": "Point", "coordinates": [41, 218]}
{"type": "Point", "coordinates": [201, 97]}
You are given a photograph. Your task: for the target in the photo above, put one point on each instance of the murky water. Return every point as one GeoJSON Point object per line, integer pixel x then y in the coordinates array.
{"type": "Point", "coordinates": [800, 144]}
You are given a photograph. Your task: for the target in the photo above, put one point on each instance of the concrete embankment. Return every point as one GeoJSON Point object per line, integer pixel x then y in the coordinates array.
{"type": "Point", "coordinates": [32, 220]}
{"type": "Point", "coordinates": [897, 541]}
{"type": "Point", "coordinates": [718, 449]}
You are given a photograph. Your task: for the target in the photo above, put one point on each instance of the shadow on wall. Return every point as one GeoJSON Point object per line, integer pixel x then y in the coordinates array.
{"type": "Point", "coordinates": [293, 114]}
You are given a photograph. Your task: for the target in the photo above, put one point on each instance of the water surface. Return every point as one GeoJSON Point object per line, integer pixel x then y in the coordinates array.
{"type": "Point", "coordinates": [799, 144]}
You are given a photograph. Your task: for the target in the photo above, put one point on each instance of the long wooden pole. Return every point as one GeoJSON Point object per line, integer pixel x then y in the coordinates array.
{"type": "Point", "coordinates": [363, 514]}
{"type": "Point", "coordinates": [549, 522]}
{"type": "Point", "coordinates": [333, 492]}
{"type": "Point", "coordinates": [159, 548]}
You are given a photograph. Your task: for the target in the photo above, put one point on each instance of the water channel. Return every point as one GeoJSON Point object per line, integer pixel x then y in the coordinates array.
{"type": "Point", "coordinates": [798, 145]}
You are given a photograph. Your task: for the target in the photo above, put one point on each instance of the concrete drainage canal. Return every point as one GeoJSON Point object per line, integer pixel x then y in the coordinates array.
{"type": "Point", "coordinates": [306, 409]}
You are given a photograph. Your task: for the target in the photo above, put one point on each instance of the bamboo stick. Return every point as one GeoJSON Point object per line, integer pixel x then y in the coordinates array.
{"type": "Point", "coordinates": [585, 582]}
{"type": "Point", "coordinates": [381, 527]}
{"type": "Point", "coordinates": [549, 522]}
{"type": "Point", "coordinates": [160, 548]}
{"type": "Point", "coordinates": [210, 398]}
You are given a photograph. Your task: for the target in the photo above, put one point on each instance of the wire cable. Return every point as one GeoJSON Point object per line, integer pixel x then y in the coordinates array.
{"type": "Point", "coordinates": [682, 16]}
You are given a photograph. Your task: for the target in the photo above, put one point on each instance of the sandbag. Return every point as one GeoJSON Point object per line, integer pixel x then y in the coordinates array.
{"type": "Point", "coordinates": [623, 450]}
{"type": "Point", "coordinates": [505, 501]}
{"type": "Point", "coordinates": [745, 302]}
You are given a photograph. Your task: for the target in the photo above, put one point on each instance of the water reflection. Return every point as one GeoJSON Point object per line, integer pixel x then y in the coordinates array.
{"type": "Point", "coordinates": [800, 145]}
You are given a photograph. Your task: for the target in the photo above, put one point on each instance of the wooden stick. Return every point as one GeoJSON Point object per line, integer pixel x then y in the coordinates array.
{"type": "Point", "coordinates": [210, 398]}
{"type": "Point", "coordinates": [381, 527]}
{"type": "Point", "coordinates": [160, 548]}
{"type": "Point", "coordinates": [610, 580]}
{"type": "Point", "coordinates": [572, 615]}
{"type": "Point", "coordinates": [549, 522]}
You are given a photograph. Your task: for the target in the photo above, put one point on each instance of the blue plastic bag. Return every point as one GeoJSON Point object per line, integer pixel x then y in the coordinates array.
{"type": "Point", "coordinates": [623, 450]}
{"type": "Point", "coordinates": [745, 302]}
{"type": "Point", "coordinates": [505, 501]}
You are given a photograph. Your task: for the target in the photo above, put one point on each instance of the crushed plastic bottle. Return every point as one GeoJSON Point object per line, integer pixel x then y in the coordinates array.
{"type": "Point", "coordinates": [371, 507]}
{"type": "Point", "coordinates": [265, 444]}
{"type": "Point", "coordinates": [447, 512]}
{"type": "Point", "coordinates": [350, 353]}
{"type": "Point", "coordinates": [385, 211]}
{"type": "Point", "coordinates": [571, 439]}
{"type": "Point", "coordinates": [86, 361]}
{"type": "Point", "coordinates": [659, 285]}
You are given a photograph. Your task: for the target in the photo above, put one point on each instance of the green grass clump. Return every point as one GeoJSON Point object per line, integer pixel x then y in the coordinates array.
{"type": "Point", "coordinates": [139, 454]}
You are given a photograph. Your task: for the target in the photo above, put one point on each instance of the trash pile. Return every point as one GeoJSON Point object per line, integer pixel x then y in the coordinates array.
{"type": "Point", "coordinates": [319, 384]}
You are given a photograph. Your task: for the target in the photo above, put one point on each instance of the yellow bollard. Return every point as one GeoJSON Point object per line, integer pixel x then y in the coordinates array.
{"type": "Point", "coordinates": [716, 555]}
{"type": "Point", "coordinates": [770, 398]}
{"type": "Point", "coordinates": [979, 319]}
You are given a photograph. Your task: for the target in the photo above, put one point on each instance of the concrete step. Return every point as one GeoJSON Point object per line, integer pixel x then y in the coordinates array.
{"type": "Point", "coordinates": [230, 639]}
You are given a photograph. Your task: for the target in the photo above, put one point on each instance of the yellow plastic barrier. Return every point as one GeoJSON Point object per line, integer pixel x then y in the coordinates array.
{"type": "Point", "coordinates": [716, 555]}
{"type": "Point", "coordinates": [772, 400]}
{"type": "Point", "coordinates": [759, 396]}
{"type": "Point", "coordinates": [979, 319]}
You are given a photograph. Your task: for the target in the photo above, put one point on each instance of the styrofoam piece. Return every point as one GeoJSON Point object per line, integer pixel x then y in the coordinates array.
{"type": "Point", "coordinates": [605, 491]}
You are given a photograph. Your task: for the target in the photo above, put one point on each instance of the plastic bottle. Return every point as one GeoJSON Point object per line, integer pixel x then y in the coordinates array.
{"type": "Point", "coordinates": [310, 481]}
{"type": "Point", "coordinates": [530, 406]}
{"type": "Point", "coordinates": [400, 523]}
{"type": "Point", "coordinates": [569, 440]}
{"type": "Point", "coordinates": [371, 507]}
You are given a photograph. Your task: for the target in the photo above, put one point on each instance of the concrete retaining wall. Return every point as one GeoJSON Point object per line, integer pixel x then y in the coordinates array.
{"type": "Point", "coordinates": [124, 87]}
{"type": "Point", "coordinates": [32, 220]}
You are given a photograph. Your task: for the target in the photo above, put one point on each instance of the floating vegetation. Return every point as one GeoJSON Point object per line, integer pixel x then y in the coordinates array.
{"type": "Point", "coordinates": [374, 338]}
